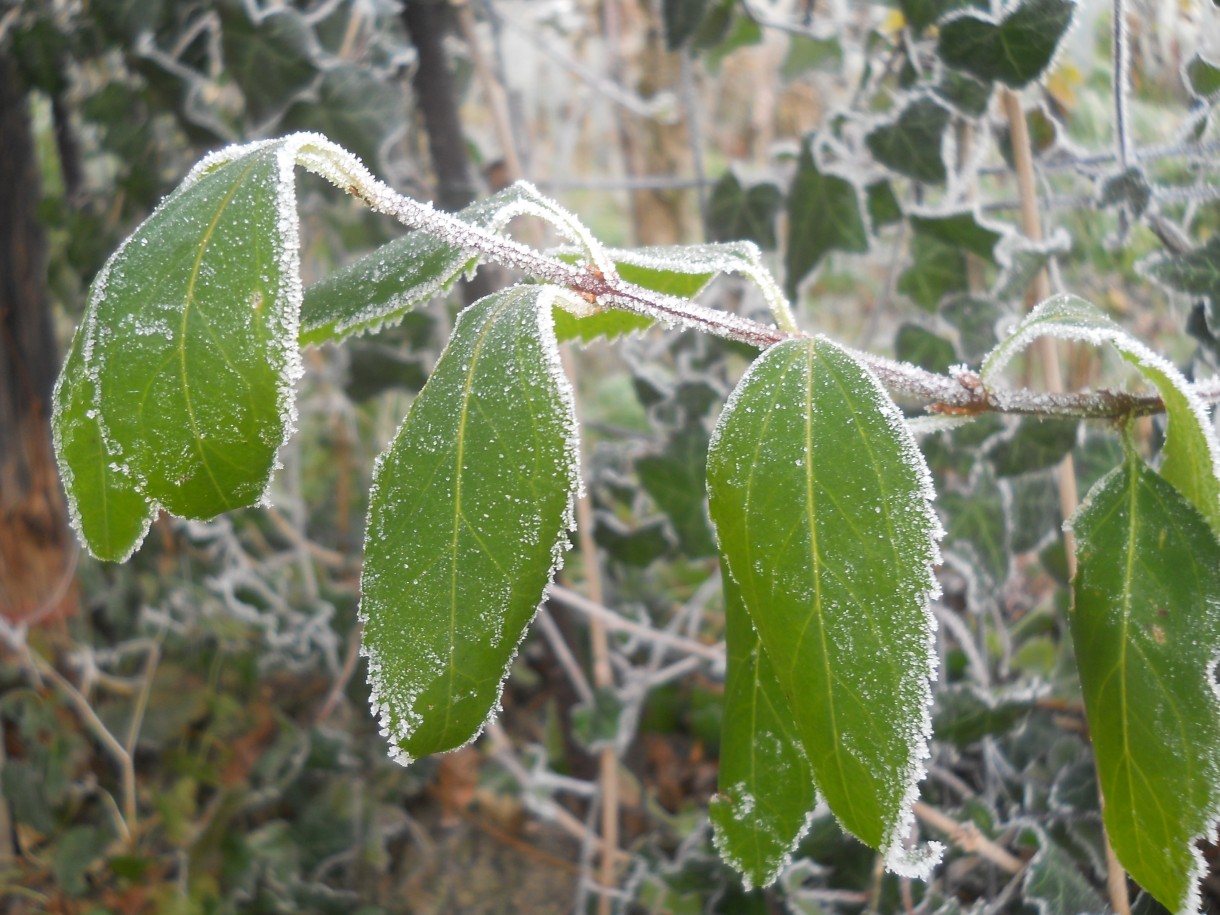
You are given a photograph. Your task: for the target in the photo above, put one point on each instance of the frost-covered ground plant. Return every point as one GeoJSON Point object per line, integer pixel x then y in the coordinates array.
{"type": "Point", "coordinates": [178, 393]}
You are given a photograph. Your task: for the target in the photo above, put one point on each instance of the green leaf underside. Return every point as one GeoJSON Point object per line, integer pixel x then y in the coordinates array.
{"type": "Point", "coordinates": [1192, 454]}
{"type": "Point", "coordinates": [191, 337]}
{"type": "Point", "coordinates": [824, 214]}
{"type": "Point", "coordinates": [911, 145]}
{"type": "Point", "coordinates": [107, 512]}
{"type": "Point", "coordinates": [1016, 50]}
{"type": "Point", "coordinates": [469, 507]}
{"type": "Point", "coordinates": [820, 501]}
{"type": "Point", "coordinates": [1145, 623]}
{"type": "Point", "coordinates": [766, 792]}
{"type": "Point", "coordinates": [607, 324]}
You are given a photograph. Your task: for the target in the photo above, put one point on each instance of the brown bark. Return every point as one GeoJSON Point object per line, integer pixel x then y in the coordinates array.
{"type": "Point", "coordinates": [36, 548]}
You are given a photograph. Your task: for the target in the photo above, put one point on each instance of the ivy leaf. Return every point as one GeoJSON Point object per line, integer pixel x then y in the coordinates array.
{"type": "Point", "coordinates": [833, 557]}
{"type": "Point", "coordinates": [975, 319]}
{"type": "Point", "coordinates": [912, 145]}
{"type": "Point", "coordinates": [1036, 443]}
{"type": "Point", "coordinates": [675, 480]}
{"type": "Point", "coordinates": [1145, 623]}
{"type": "Point", "coordinates": [920, 14]}
{"type": "Point", "coordinates": [353, 104]}
{"type": "Point", "coordinates": [1053, 881]}
{"type": "Point", "coordinates": [959, 230]}
{"type": "Point", "coordinates": [883, 206]}
{"type": "Point", "coordinates": [468, 516]}
{"type": "Point", "coordinates": [766, 796]}
{"type": "Point", "coordinates": [736, 212]}
{"type": "Point", "coordinates": [921, 347]}
{"type": "Point", "coordinates": [937, 270]}
{"type": "Point", "coordinates": [682, 19]}
{"type": "Point", "coordinates": [109, 515]}
{"type": "Point", "coordinates": [965, 93]}
{"type": "Point", "coordinates": [823, 215]}
{"type": "Point", "coordinates": [1015, 50]}
{"type": "Point", "coordinates": [269, 59]}
{"type": "Point", "coordinates": [1196, 272]}
{"type": "Point", "coordinates": [806, 52]}
{"type": "Point", "coordinates": [1202, 77]}
{"type": "Point", "coordinates": [977, 541]}
{"type": "Point", "coordinates": [1192, 453]}
{"type": "Point", "coordinates": [190, 337]}
{"type": "Point", "coordinates": [965, 714]}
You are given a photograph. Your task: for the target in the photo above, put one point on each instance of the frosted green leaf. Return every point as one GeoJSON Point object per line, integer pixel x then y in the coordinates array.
{"type": "Point", "coordinates": [1192, 453]}
{"type": "Point", "coordinates": [824, 215]}
{"type": "Point", "coordinates": [190, 335]}
{"type": "Point", "coordinates": [1014, 50]}
{"type": "Point", "coordinates": [1145, 624]}
{"type": "Point", "coordinates": [766, 795]}
{"type": "Point", "coordinates": [911, 145]}
{"type": "Point", "coordinates": [821, 504]}
{"type": "Point", "coordinates": [108, 514]}
{"type": "Point", "coordinates": [468, 516]}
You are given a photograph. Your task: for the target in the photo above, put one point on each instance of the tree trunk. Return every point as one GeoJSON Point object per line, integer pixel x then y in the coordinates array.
{"type": "Point", "coordinates": [35, 546]}
{"type": "Point", "coordinates": [436, 99]}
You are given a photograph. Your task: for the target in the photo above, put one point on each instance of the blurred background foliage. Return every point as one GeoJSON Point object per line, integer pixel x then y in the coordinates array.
{"type": "Point", "coordinates": [189, 732]}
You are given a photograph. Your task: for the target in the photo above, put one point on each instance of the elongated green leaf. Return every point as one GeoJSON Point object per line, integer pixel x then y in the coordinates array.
{"type": "Point", "coordinates": [820, 500]}
{"type": "Point", "coordinates": [1145, 623]}
{"type": "Point", "coordinates": [467, 518]}
{"type": "Point", "coordinates": [766, 794]}
{"type": "Point", "coordinates": [1015, 50]}
{"type": "Point", "coordinates": [109, 515]}
{"type": "Point", "coordinates": [1192, 453]}
{"type": "Point", "coordinates": [190, 337]}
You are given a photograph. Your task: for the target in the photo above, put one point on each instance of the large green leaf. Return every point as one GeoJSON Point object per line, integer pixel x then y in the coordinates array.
{"type": "Point", "coordinates": [468, 514]}
{"type": "Point", "coordinates": [1145, 623]}
{"type": "Point", "coordinates": [1192, 453]}
{"type": "Point", "coordinates": [190, 336]}
{"type": "Point", "coordinates": [766, 793]}
{"type": "Point", "coordinates": [1015, 50]}
{"type": "Point", "coordinates": [109, 515]}
{"type": "Point", "coordinates": [820, 500]}
{"type": "Point", "coordinates": [824, 214]}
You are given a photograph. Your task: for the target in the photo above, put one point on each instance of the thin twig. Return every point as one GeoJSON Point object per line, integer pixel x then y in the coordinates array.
{"type": "Point", "coordinates": [616, 621]}
{"type": "Point", "coordinates": [967, 837]}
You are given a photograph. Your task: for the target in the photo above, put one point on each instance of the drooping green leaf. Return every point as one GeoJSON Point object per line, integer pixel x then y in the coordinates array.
{"type": "Point", "coordinates": [1192, 453]}
{"type": "Point", "coordinates": [960, 230]}
{"type": "Point", "coordinates": [468, 513]}
{"type": "Point", "coordinates": [766, 795]}
{"type": "Point", "coordinates": [1145, 623]}
{"type": "Point", "coordinates": [820, 501]}
{"type": "Point", "coordinates": [920, 14]}
{"type": "Point", "coordinates": [823, 215]}
{"type": "Point", "coordinates": [912, 145]}
{"type": "Point", "coordinates": [921, 347]}
{"type": "Point", "coordinates": [737, 212]}
{"type": "Point", "coordinates": [108, 514]}
{"type": "Point", "coordinates": [1015, 50]}
{"type": "Point", "coordinates": [1196, 272]}
{"type": "Point", "coordinates": [270, 59]}
{"type": "Point", "coordinates": [606, 324]}
{"type": "Point", "coordinates": [190, 337]}
{"type": "Point", "coordinates": [1202, 77]}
